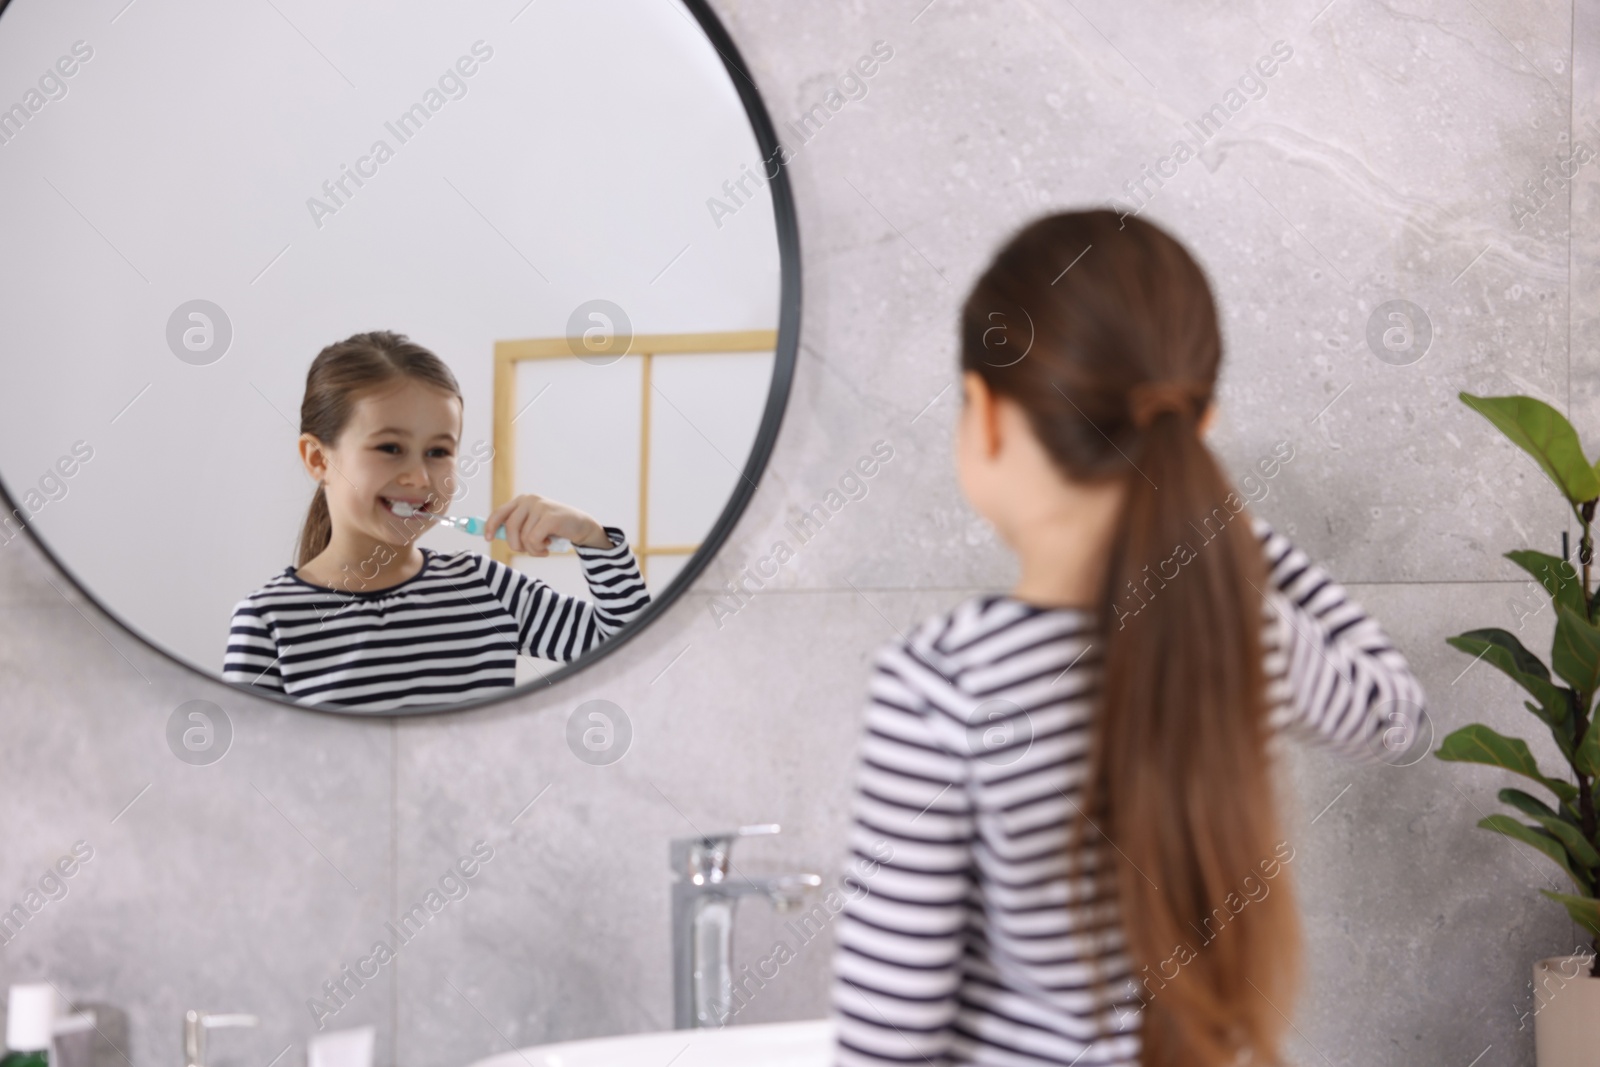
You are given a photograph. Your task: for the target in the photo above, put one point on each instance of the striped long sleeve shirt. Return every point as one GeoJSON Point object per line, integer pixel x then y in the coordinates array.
{"type": "Point", "coordinates": [449, 633]}
{"type": "Point", "coordinates": [968, 941]}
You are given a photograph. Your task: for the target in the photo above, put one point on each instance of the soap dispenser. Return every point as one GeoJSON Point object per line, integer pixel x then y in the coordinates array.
{"type": "Point", "coordinates": [30, 1015]}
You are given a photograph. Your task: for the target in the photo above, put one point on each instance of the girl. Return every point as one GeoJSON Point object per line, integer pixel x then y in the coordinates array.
{"type": "Point", "coordinates": [1065, 847]}
{"type": "Point", "coordinates": [368, 619]}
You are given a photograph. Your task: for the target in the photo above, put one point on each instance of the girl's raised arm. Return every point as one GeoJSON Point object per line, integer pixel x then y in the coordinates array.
{"type": "Point", "coordinates": [560, 627]}
{"type": "Point", "coordinates": [1335, 677]}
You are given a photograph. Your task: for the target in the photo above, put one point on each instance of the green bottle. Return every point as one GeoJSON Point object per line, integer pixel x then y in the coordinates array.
{"type": "Point", "coordinates": [30, 1015]}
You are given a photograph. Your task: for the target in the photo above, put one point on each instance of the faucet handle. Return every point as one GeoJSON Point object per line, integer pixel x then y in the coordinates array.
{"type": "Point", "coordinates": [195, 1025]}
{"type": "Point", "coordinates": [704, 857]}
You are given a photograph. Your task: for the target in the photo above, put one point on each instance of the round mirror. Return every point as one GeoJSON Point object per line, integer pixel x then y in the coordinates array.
{"type": "Point", "coordinates": [386, 358]}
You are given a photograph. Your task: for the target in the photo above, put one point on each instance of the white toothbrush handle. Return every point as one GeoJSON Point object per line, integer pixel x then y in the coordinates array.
{"type": "Point", "coordinates": [475, 526]}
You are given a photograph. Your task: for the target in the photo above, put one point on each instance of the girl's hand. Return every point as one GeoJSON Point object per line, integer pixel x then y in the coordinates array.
{"type": "Point", "coordinates": [531, 521]}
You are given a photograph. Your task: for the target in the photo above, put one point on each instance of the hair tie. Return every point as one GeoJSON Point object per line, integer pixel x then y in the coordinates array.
{"type": "Point", "coordinates": [1149, 400]}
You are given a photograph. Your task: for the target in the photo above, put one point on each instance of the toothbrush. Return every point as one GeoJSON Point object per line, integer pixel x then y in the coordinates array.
{"type": "Point", "coordinates": [471, 525]}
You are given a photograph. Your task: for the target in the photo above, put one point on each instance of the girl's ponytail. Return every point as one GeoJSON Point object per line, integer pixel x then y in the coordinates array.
{"type": "Point", "coordinates": [1104, 331]}
{"type": "Point", "coordinates": [316, 531]}
{"type": "Point", "coordinates": [1181, 776]}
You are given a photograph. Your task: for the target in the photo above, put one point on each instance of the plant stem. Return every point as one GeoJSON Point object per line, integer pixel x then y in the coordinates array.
{"type": "Point", "coordinates": [1586, 548]}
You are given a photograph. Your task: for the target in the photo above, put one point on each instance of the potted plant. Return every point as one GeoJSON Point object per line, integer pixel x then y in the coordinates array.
{"type": "Point", "coordinates": [1564, 829]}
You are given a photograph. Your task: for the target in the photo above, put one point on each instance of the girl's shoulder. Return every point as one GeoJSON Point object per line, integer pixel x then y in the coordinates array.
{"type": "Point", "coordinates": [936, 644]}
{"type": "Point", "coordinates": [470, 565]}
{"type": "Point", "coordinates": [470, 561]}
{"type": "Point", "coordinates": [271, 590]}
{"type": "Point", "coordinates": [969, 633]}
{"type": "Point", "coordinates": [953, 650]}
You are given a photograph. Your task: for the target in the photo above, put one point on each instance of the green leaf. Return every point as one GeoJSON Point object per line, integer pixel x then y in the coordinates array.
{"type": "Point", "coordinates": [1575, 655]}
{"type": "Point", "coordinates": [1546, 435]}
{"type": "Point", "coordinates": [1579, 850]}
{"type": "Point", "coordinates": [1558, 576]}
{"type": "Point", "coordinates": [1587, 756]}
{"type": "Point", "coordinates": [1523, 802]}
{"type": "Point", "coordinates": [1562, 733]}
{"type": "Point", "coordinates": [1585, 910]}
{"type": "Point", "coordinates": [1505, 652]}
{"type": "Point", "coordinates": [1532, 835]}
{"type": "Point", "coordinates": [1476, 743]}
{"type": "Point", "coordinates": [1501, 649]}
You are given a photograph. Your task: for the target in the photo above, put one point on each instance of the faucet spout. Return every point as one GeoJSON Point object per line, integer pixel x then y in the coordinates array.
{"type": "Point", "coordinates": [786, 891]}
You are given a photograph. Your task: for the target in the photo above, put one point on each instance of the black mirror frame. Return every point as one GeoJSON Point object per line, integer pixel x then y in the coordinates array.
{"type": "Point", "coordinates": [775, 161]}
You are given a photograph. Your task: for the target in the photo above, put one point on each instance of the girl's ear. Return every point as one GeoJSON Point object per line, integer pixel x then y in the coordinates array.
{"type": "Point", "coordinates": [984, 412]}
{"type": "Point", "coordinates": [313, 455]}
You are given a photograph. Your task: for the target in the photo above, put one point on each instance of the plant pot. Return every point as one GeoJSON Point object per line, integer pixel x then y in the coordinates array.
{"type": "Point", "coordinates": [1566, 1004]}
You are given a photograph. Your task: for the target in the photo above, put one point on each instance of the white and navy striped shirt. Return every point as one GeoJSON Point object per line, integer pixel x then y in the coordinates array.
{"type": "Point", "coordinates": [449, 633]}
{"type": "Point", "coordinates": [963, 939]}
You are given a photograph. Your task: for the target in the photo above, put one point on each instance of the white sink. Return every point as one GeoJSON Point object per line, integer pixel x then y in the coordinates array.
{"type": "Point", "coordinates": [803, 1044]}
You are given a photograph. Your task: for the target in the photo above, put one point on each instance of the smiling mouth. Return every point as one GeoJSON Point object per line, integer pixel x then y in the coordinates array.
{"type": "Point", "coordinates": [400, 509]}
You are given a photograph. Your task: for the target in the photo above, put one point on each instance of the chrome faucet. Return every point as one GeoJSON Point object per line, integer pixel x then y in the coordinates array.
{"type": "Point", "coordinates": [703, 897]}
{"type": "Point", "coordinates": [195, 1025]}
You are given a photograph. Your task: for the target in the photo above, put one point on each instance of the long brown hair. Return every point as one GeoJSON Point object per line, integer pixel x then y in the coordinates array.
{"type": "Point", "coordinates": [1105, 332]}
{"type": "Point", "coordinates": [340, 375]}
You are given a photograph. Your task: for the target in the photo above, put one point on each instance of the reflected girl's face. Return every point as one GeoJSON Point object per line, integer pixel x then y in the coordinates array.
{"type": "Point", "coordinates": [399, 446]}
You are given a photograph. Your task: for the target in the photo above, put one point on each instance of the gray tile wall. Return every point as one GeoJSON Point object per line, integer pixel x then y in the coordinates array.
{"type": "Point", "coordinates": [1384, 161]}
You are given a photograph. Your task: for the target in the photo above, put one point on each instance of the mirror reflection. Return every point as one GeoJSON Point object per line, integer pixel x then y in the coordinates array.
{"type": "Point", "coordinates": [404, 364]}
{"type": "Point", "coordinates": [368, 618]}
